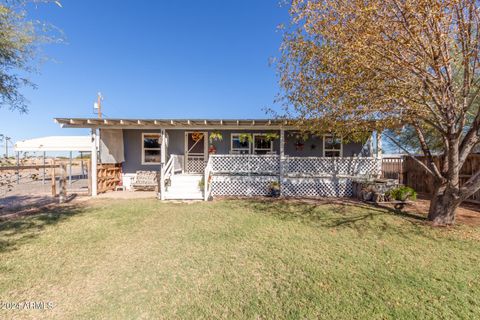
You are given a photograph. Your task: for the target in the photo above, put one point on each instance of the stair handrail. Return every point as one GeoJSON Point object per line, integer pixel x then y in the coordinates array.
{"type": "Point", "coordinates": [207, 185]}
{"type": "Point", "coordinates": [165, 173]}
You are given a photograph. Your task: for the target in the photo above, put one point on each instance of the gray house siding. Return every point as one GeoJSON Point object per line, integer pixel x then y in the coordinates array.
{"type": "Point", "coordinates": [313, 146]}
{"type": "Point", "coordinates": [132, 140]}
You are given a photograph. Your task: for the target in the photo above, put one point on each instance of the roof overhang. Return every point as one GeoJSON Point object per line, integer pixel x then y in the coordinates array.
{"type": "Point", "coordinates": [218, 124]}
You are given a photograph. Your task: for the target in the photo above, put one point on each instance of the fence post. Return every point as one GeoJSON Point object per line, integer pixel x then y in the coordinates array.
{"type": "Point", "coordinates": [63, 184]}
{"type": "Point", "coordinates": [54, 188]}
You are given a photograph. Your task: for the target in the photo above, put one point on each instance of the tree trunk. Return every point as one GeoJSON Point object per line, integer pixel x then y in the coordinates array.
{"type": "Point", "coordinates": [443, 206]}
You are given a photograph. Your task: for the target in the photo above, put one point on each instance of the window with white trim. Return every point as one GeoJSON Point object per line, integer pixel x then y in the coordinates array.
{"type": "Point", "coordinates": [332, 146]}
{"type": "Point", "coordinates": [151, 148]}
{"type": "Point", "coordinates": [262, 145]}
{"type": "Point", "coordinates": [238, 145]}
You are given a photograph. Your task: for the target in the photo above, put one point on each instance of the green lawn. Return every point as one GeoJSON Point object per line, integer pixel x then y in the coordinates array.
{"type": "Point", "coordinates": [237, 259]}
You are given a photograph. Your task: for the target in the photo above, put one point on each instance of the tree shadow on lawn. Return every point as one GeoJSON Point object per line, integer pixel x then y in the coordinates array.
{"type": "Point", "coordinates": [17, 228]}
{"type": "Point", "coordinates": [341, 213]}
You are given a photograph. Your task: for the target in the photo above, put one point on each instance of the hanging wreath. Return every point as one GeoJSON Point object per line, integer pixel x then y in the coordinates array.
{"type": "Point", "coordinates": [197, 136]}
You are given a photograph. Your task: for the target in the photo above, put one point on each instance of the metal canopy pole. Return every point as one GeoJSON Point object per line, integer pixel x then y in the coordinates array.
{"type": "Point", "coordinates": [81, 163]}
{"type": "Point", "coordinates": [44, 170]}
{"type": "Point", "coordinates": [70, 169]}
{"type": "Point", "coordinates": [18, 167]}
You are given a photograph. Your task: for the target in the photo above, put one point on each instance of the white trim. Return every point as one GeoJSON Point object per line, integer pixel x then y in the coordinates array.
{"type": "Point", "coordinates": [325, 150]}
{"type": "Point", "coordinates": [261, 149]}
{"type": "Point", "coordinates": [144, 149]}
{"type": "Point", "coordinates": [94, 161]}
{"type": "Point", "coordinates": [240, 149]}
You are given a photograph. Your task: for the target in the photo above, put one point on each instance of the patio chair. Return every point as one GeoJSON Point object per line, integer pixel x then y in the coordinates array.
{"type": "Point", "coordinates": [146, 181]}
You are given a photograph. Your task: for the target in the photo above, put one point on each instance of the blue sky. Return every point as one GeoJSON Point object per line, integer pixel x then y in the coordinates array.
{"type": "Point", "coordinates": [153, 59]}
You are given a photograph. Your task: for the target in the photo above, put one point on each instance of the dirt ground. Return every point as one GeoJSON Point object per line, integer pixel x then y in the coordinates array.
{"type": "Point", "coordinates": [468, 213]}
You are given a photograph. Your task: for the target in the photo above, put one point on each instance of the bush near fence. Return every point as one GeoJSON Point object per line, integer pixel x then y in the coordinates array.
{"type": "Point", "coordinates": [410, 173]}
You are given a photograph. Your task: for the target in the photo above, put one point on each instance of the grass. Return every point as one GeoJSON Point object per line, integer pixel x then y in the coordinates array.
{"type": "Point", "coordinates": [237, 259]}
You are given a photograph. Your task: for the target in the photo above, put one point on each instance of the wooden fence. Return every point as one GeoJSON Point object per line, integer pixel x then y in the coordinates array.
{"type": "Point", "coordinates": [392, 168]}
{"type": "Point", "coordinates": [410, 173]}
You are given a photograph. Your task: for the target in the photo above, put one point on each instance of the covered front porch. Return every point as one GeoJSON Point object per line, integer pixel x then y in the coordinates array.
{"type": "Point", "coordinates": [230, 157]}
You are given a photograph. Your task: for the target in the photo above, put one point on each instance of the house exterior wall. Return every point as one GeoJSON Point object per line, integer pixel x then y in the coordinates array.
{"type": "Point", "coordinates": [132, 140]}
{"type": "Point", "coordinates": [313, 146]}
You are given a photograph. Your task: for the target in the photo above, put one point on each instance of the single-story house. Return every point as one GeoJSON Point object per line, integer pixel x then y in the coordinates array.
{"type": "Point", "coordinates": [235, 157]}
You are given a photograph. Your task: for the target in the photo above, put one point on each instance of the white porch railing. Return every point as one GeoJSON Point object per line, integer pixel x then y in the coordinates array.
{"type": "Point", "coordinates": [294, 166]}
{"type": "Point", "coordinates": [245, 164]}
{"type": "Point", "coordinates": [323, 166]}
{"type": "Point", "coordinates": [207, 182]}
{"type": "Point", "coordinates": [167, 171]}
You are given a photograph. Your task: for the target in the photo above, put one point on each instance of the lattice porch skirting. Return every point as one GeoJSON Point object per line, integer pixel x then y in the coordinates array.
{"type": "Point", "coordinates": [317, 187]}
{"type": "Point", "coordinates": [292, 187]}
{"type": "Point", "coordinates": [242, 185]}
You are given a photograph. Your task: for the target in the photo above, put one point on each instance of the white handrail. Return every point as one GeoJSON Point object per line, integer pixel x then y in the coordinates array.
{"type": "Point", "coordinates": [207, 186]}
{"type": "Point", "coordinates": [166, 172]}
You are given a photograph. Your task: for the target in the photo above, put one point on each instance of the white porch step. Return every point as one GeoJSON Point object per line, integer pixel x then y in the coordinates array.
{"type": "Point", "coordinates": [183, 196]}
{"type": "Point", "coordinates": [184, 187]}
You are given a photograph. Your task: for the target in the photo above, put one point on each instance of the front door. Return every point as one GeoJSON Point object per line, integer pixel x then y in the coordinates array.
{"type": "Point", "coordinates": [196, 151]}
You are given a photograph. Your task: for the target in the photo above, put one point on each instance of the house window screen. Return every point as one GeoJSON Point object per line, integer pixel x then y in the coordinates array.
{"type": "Point", "coordinates": [261, 145]}
{"type": "Point", "coordinates": [151, 148]}
{"type": "Point", "coordinates": [239, 146]}
{"type": "Point", "coordinates": [332, 146]}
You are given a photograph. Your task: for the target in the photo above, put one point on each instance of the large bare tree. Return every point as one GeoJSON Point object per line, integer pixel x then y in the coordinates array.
{"type": "Point", "coordinates": [389, 64]}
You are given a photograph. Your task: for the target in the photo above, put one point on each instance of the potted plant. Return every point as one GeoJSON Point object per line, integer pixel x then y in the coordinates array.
{"type": "Point", "coordinates": [275, 189]}
{"type": "Point", "coordinates": [212, 149]}
{"type": "Point", "coordinates": [245, 137]}
{"type": "Point", "coordinates": [299, 144]}
{"type": "Point", "coordinates": [271, 136]}
{"type": "Point", "coordinates": [215, 136]}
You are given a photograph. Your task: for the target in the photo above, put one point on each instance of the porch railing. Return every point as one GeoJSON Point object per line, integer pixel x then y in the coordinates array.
{"type": "Point", "coordinates": [207, 182]}
{"type": "Point", "coordinates": [294, 166]}
{"type": "Point", "coordinates": [167, 171]}
{"type": "Point", "coordinates": [245, 164]}
{"type": "Point", "coordinates": [326, 166]}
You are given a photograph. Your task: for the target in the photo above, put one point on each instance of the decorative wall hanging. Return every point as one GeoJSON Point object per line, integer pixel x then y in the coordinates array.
{"type": "Point", "coordinates": [197, 136]}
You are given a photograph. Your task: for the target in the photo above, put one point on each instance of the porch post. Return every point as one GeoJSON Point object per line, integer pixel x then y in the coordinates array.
{"type": "Point", "coordinates": [163, 161]}
{"type": "Point", "coordinates": [163, 149]}
{"type": "Point", "coordinates": [379, 154]}
{"type": "Point", "coordinates": [94, 162]}
{"type": "Point", "coordinates": [282, 159]}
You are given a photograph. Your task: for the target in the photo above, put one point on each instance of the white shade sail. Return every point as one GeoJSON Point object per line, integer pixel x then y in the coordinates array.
{"type": "Point", "coordinates": [55, 143]}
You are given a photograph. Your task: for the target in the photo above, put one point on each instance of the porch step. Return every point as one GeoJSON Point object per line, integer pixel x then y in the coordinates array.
{"type": "Point", "coordinates": [183, 196]}
{"type": "Point", "coordinates": [184, 187]}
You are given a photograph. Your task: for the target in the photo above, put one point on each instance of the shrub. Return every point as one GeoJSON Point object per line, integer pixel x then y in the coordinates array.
{"type": "Point", "coordinates": [403, 193]}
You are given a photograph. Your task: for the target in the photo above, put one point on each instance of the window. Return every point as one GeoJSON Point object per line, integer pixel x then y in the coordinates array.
{"type": "Point", "coordinates": [239, 146]}
{"type": "Point", "coordinates": [151, 148]}
{"type": "Point", "coordinates": [332, 146]}
{"type": "Point", "coordinates": [261, 145]}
